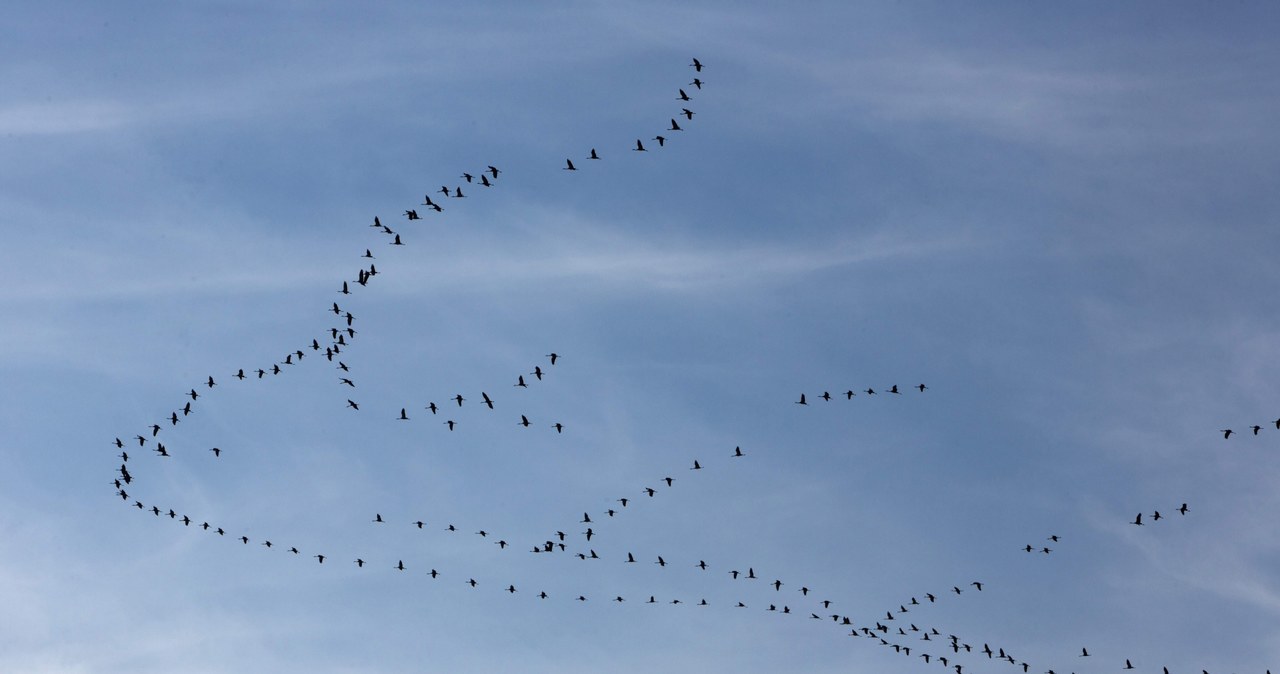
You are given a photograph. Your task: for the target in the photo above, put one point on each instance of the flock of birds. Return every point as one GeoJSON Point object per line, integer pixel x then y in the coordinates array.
{"type": "Point", "coordinates": [897, 629]}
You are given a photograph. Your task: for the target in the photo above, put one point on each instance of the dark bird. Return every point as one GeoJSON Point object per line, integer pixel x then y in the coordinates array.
{"type": "Point", "coordinates": [639, 146]}
{"type": "Point", "coordinates": [623, 501]}
{"type": "Point", "coordinates": [369, 254]}
{"type": "Point", "coordinates": [467, 177]}
{"type": "Point", "coordinates": [494, 172]}
{"type": "Point", "coordinates": [737, 451]}
{"type": "Point", "coordinates": [631, 559]}
{"type": "Point", "coordinates": [688, 114]}
{"type": "Point", "coordinates": [1137, 520]}
{"type": "Point", "coordinates": [403, 416]}
{"type": "Point", "coordinates": [1226, 433]}
{"type": "Point", "coordinates": [697, 65]}
{"type": "Point", "coordinates": [696, 465]}
{"type": "Point", "coordinates": [558, 426]}
{"type": "Point", "coordinates": [826, 395]}
{"type": "Point", "coordinates": [360, 563]}
{"type": "Point", "coordinates": [348, 382]}
{"type": "Point", "coordinates": [1183, 510]}
{"type": "Point", "coordinates": [894, 389]}
{"type": "Point", "coordinates": [240, 374]}
{"type": "Point", "coordinates": [1084, 652]}
{"type": "Point", "coordinates": [520, 382]}
{"type": "Point", "coordinates": [683, 96]}
{"type": "Point", "coordinates": [432, 407]}
{"type": "Point", "coordinates": [922, 387]}
{"type": "Point", "coordinates": [1155, 517]}
{"type": "Point", "coordinates": [650, 491]}
{"type": "Point", "coordinates": [400, 565]}
{"type": "Point", "coordinates": [412, 215]}
{"type": "Point", "coordinates": [668, 480]}
{"type": "Point", "coordinates": [524, 421]}
{"type": "Point", "coordinates": [210, 383]}
{"type": "Point", "coordinates": [450, 423]}
{"type": "Point", "coordinates": [458, 398]}
{"type": "Point", "coordinates": [977, 585]}
{"type": "Point", "coordinates": [216, 452]}
{"type": "Point", "coordinates": [674, 126]}
{"type": "Point", "coordinates": [537, 372]}
{"type": "Point", "coordinates": [662, 140]}
{"type": "Point", "coordinates": [801, 401]}
{"type": "Point", "coordinates": [593, 154]}
{"type": "Point", "coordinates": [457, 193]}
{"type": "Point", "coordinates": [486, 400]}
{"type": "Point", "coordinates": [661, 562]}
{"type": "Point", "coordinates": [570, 166]}
{"type": "Point", "coordinates": [484, 180]}
{"type": "Point", "coordinates": [1256, 429]}
{"type": "Point", "coordinates": [777, 585]}
{"type": "Point", "coordinates": [397, 242]}
{"type": "Point", "coordinates": [553, 356]}
{"type": "Point", "coordinates": [848, 395]}
{"type": "Point", "coordinates": [697, 83]}
{"type": "Point", "coordinates": [351, 403]}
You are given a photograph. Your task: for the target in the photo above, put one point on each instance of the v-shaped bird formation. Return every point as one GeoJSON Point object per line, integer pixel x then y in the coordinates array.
{"type": "Point", "coordinates": [906, 629]}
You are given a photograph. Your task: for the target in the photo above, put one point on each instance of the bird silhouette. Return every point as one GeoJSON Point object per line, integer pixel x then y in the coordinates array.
{"type": "Point", "coordinates": [570, 166]}
{"type": "Point", "coordinates": [639, 147]}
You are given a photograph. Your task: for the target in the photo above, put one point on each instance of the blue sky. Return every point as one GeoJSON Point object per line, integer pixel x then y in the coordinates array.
{"type": "Point", "coordinates": [1060, 219]}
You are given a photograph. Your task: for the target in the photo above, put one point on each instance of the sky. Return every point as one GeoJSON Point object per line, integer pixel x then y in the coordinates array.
{"type": "Point", "coordinates": [1060, 219]}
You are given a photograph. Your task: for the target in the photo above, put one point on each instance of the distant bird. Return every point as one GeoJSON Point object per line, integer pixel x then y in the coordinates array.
{"type": "Point", "coordinates": [801, 401]}
{"type": "Point", "coordinates": [848, 395]}
{"type": "Point", "coordinates": [351, 403]}
{"type": "Point", "coordinates": [553, 356]}
{"type": "Point", "coordinates": [894, 389]}
{"type": "Point", "coordinates": [1226, 433]}
{"type": "Point", "coordinates": [977, 585]}
{"type": "Point", "coordinates": [1256, 429]}
{"type": "Point", "coordinates": [558, 426]}
{"type": "Point", "coordinates": [377, 517]}
{"type": "Point", "coordinates": [486, 400]}
{"type": "Point", "coordinates": [1137, 520]}
{"type": "Point", "coordinates": [688, 114]}
{"type": "Point", "coordinates": [457, 193]}
{"type": "Point", "coordinates": [737, 451]}
{"type": "Point", "coordinates": [674, 126]}
{"type": "Point", "coordinates": [216, 452]}
{"type": "Point", "coordinates": [450, 423]}
{"type": "Point", "coordinates": [369, 254]}
{"type": "Point", "coordinates": [397, 242]}
{"type": "Point", "coordinates": [520, 382]}
{"type": "Point", "coordinates": [466, 176]}
{"type": "Point", "coordinates": [696, 465]}
{"type": "Point", "coordinates": [360, 563]}
{"type": "Point", "coordinates": [524, 421]}
{"type": "Point", "coordinates": [639, 147]}
{"type": "Point", "coordinates": [1084, 652]}
{"type": "Point", "coordinates": [432, 407]}
{"type": "Point", "coordinates": [697, 83]}
{"type": "Point", "coordinates": [494, 172]}
{"type": "Point", "coordinates": [484, 180]}
{"type": "Point", "coordinates": [826, 395]}
{"type": "Point", "coordinates": [870, 391]}
{"type": "Point", "coordinates": [537, 372]}
{"type": "Point", "coordinates": [683, 96]}
{"type": "Point", "coordinates": [593, 154]}
{"type": "Point", "coordinates": [697, 65]}
{"type": "Point", "coordinates": [210, 383]}
{"type": "Point", "coordinates": [1183, 510]}
{"type": "Point", "coordinates": [570, 166]}
{"type": "Point", "coordinates": [1155, 517]}
{"type": "Point", "coordinates": [458, 398]}
{"type": "Point", "coordinates": [400, 565]}
{"type": "Point", "coordinates": [922, 387]}
{"type": "Point", "coordinates": [412, 215]}
{"type": "Point", "coordinates": [403, 416]}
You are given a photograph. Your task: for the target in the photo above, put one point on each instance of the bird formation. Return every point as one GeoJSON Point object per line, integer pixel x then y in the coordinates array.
{"type": "Point", "coordinates": [755, 589]}
{"type": "Point", "coordinates": [827, 396]}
